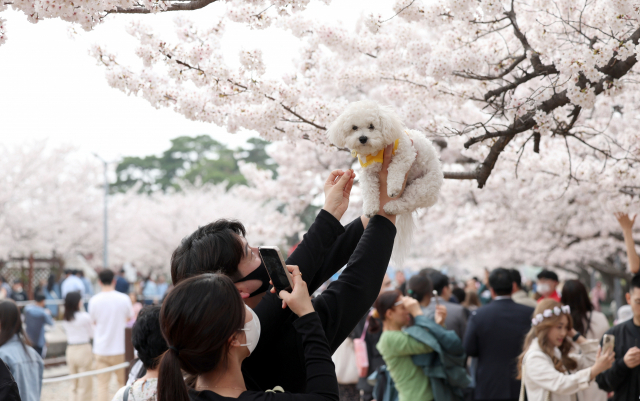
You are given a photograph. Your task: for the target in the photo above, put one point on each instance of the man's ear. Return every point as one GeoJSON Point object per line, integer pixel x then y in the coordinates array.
{"type": "Point", "coordinates": [628, 296]}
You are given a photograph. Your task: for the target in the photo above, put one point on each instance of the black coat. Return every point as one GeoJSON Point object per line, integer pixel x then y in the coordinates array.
{"type": "Point", "coordinates": [279, 360]}
{"type": "Point", "coordinates": [8, 387]}
{"type": "Point", "coordinates": [495, 334]}
{"type": "Point", "coordinates": [623, 381]}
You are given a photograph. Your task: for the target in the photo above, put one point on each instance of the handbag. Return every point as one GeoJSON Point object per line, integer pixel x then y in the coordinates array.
{"type": "Point", "coordinates": [345, 360]}
{"type": "Point", "coordinates": [360, 348]}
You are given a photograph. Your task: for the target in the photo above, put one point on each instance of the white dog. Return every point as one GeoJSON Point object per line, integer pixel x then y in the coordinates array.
{"type": "Point", "coordinates": [366, 128]}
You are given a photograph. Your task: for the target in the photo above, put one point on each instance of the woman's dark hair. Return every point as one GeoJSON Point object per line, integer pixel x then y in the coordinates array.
{"type": "Point", "coordinates": [575, 294]}
{"type": "Point", "coordinates": [385, 301]}
{"type": "Point", "coordinates": [147, 338]}
{"type": "Point", "coordinates": [51, 282]}
{"type": "Point", "coordinates": [197, 320]}
{"type": "Point", "coordinates": [71, 305]}
{"type": "Point", "coordinates": [11, 324]}
{"type": "Point", "coordinates": [419, 287]}
{"type": "Point", "coordinates": [211, 248]}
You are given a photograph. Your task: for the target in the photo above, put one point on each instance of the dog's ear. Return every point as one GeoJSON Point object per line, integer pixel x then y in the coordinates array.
{"type": "Point", "coordinates": [335, 131]}
{"type": "Point", "coordinates": [391, 125]}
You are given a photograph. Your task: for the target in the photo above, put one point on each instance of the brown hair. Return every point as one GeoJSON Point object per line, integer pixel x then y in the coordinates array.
{"type": "Point", "coordinates": [471, 299]}
{"type": "Point", "coordinates": [540, 331]}
{"type": "Point", "coordinates": [197, 319]}
{"type": "Point", "coordinates": [385, 301]}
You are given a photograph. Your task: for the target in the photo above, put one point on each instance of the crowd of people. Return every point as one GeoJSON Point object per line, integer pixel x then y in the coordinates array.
{"type": "Point", "coordinates": [222, 331]}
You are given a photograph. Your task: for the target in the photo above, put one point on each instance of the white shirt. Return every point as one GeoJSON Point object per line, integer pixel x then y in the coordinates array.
{"type": "Point", "coordinates": [80, 329]}
{"type": "Point", "coordinates": [110, 312]}
{"type": "Point", "coordinates": [71, 284]}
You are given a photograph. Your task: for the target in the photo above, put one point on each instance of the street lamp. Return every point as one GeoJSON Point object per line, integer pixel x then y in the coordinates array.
{"type": "Point", "coordinates": [106, 214]}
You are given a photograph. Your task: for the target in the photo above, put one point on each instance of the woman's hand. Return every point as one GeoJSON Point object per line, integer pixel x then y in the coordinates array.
{"type": "Point", "coordinates": [298, 299]}
{"type": "Point", "coordinates": [337, 190]}
{"type": "Point", "coordinates": [579, 340]}
{"type": "Point", "coordinates": [412, 306]}
{"type": "Point", "coordinates": [441, 315]}
{"type": "Point", "coordinates": [603, 362]}
{"type": "Point", "coordinates": [625, 222]}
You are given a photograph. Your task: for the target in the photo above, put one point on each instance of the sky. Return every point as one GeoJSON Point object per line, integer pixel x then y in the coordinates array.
{"type": "Point", "coordinates": [51, 89]}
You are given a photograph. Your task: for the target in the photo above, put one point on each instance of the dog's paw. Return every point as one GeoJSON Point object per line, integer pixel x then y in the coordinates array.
{"type": "Point", "coordinates": [393, 190]}
{"type": "Point", "coordinates": [392, 207]}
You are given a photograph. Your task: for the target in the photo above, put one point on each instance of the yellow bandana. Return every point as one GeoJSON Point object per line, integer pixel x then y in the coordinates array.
{"type": "Point", "coordinates": [367, 160]}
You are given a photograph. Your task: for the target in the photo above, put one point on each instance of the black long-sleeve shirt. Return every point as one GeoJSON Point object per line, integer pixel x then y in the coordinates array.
{"type": "Point", "coordinates": [278, 359]}
{"type": "Point", "coordinates": [322, 384]}
{"type": "Point", "coordinates": [622, 380]}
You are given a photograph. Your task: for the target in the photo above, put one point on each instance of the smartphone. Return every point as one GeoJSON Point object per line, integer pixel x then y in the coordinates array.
{"type": "Point", "coordinates": [608, 341]}
{"type": "Point", "coordinates": [277, 269]}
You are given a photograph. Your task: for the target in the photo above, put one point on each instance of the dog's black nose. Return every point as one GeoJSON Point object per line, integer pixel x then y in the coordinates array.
{"type": "Point", "coordinates": [363, 139]}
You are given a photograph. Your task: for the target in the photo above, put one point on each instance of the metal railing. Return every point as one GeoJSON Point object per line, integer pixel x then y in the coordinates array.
{"type": "Point", "coordinates": [85, 374]}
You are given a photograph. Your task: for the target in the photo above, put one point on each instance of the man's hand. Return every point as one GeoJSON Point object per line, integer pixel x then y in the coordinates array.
{"type": "Point", "coordinates": [632, 357]}
{"type": "Point", "coordinates": [337, 190]}
{"type": "Point", "coordinates": [625, 222]}
{"type": "Point", "coordinates": [441, 315]}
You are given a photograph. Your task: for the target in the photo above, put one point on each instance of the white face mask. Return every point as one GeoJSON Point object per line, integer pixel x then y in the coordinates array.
{"type": "Point", "coordinates": [252, 331]}
{"type": "Point", "coordinates": [543, 289]}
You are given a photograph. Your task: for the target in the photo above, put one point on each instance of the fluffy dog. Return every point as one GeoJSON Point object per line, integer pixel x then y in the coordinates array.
{"type": "Point", "coordinates": [366, 128]}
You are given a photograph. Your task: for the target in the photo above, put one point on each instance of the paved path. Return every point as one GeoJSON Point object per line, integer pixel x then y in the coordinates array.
{"type": "Point", "coordinates": [60, 391]}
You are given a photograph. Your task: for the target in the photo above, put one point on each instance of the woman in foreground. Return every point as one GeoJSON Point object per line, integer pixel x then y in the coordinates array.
{"type": "Point", "coordinates": [210, 332]}
{"type": "Point", "coordinates": [547, 370]}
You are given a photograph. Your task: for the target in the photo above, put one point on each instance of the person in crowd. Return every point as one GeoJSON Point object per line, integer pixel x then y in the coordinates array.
{"type": "Point", "coordinates": [150, 290]}
{"type": "Point", "coordinates": [6, 287]}
{"type": "Point", "coordinates": [109, 310]}
{"type": "Point", "coordinates": [17, 292]}
{"type": "Point", "coordinates": [623, 378]}
{"type": "Point", "coordinates": [401, 282]}
{"type": "Point", "coordinates": [459, 294]}
{"type": "Point", "coordinates": [471, 300]}
{"type": "Point", "coordinates": [364, 246]}
{"type": "Point", "coordinates": [52, 293]}
{"type": "Point", "coordinates": [8, 387]}
{"type": "Point", "coordinates": [586, 320]}
{"type": "Point", "coordinates": [397, 346]}
{"type": "Point", "coordinates": [623, 314]}
{"type": "Point", "coordinates": [162, 285]}
{"type": "Point", "coordinates": [122, 285]}
{"type": "Point", "coordinates": [72, 283]}
{"type": "Point", "coordinates": [88, 288]}
{"type": "Point", "coordinates": [547, 283]}
{"type": "Point", "coordinates": [547, 369]}
{"type": "Point", "coordinates": [456, 315]}
{"type": "Point", "coordinates": [35, 317]}
{"type": "Point", "coordinates": [371, 340]}
{"type": "Point", "coordinates": [598, 294]}
{"type": "Point", "coordinates": [136, 306]}
{"type": "Point", "coordinates": [77, 324]}
{"type": "Point", "coordinates": [148, 341]}
{"type": "Point", "coordinates": [210, 341]}
{"type": "Point", "coordinates": [519, 295]}
{"type": "Point", "coordinates": [24, 363]}
{"type": "Point", "coordinates": [626, 224]}
{"type": "Point", "coordinates": [494, 335]}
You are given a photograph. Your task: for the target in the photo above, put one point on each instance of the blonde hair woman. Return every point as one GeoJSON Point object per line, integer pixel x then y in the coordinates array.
{"type": "Point", "coordinates": [547, 370]}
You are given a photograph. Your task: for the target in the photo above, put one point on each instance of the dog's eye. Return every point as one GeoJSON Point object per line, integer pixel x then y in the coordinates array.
{"type": "Point", "coordinates": [354, 128]}
{"type": "Point", "coordinates": [370, 126]}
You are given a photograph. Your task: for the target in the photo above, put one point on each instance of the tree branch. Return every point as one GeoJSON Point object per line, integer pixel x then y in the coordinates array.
{"type": "Point", "coordinates": [189, 5]}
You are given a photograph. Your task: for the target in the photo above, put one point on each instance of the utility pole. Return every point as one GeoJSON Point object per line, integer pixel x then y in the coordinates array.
{"type": "Point", "coordinates": [105, 251]}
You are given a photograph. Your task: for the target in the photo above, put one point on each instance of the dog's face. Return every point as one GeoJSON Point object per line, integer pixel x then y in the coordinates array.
{"type": "Point", "coordinates": [365, 127]}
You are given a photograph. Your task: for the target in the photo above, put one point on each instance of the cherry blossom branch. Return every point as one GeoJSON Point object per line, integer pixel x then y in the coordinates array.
{"type": "Point", "coordinates": [176, 5]}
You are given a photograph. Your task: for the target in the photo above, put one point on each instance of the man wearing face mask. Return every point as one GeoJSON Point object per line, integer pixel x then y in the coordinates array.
{"type": "Point", "coordinates": [364, 245]}
{"type": "Point", "coordinates": [547, 283]}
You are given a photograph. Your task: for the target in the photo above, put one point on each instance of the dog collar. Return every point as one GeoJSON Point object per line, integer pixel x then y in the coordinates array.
{"type": "Point", "coordinates": [367, 160]}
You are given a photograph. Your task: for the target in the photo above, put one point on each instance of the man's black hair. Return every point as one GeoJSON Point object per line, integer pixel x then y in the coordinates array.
{"type": "Point", "coordinates": [106, 276]}
{"type": "Point", "coordinates": [549, 275]}
{"type": "Point", "coordinates": [516, 277]}
{"type": "Point", "coordinates": [439, 281]}
{"type": "Point", "coordinates": [39, 297]}
{"type": "Point", "coordinates": [147, 338]}
{"type": "Point", "coordinates": [459, 294]}
{"type": "Point", "coordinates": [500, 281]}
{"type": "Point", "coordinates": [634, 283]}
